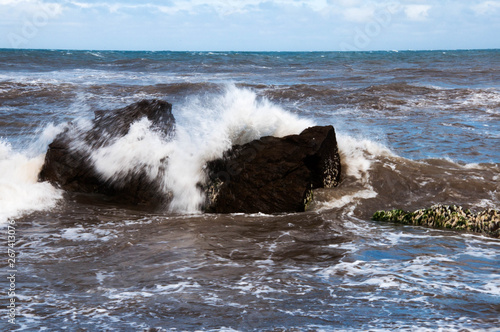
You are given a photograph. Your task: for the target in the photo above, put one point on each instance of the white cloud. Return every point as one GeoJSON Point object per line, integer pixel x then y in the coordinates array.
{"type": "Point", "coordinates": [242, 6]}
{"type": "Point", "coordinates": [318, 5]}
{"type": "Point", "coordinates": [358, 14]}
{"type": "Point", "coordinates": [352, 10]}
{"type": "Point", "coordinates": [417, 12]}
{"type": "Point", "coordinates": [363, 11]}
{"type": "Point", "coordinates": [345, 3]}
{"type": "Point", "coordinates": [486, 7]}
{"type": "Point", "coordinates": [111, 7]}
{"type": "Point", "coordinates": [30, 8]}
{"type": "Point", "coordinates": [224, 7]}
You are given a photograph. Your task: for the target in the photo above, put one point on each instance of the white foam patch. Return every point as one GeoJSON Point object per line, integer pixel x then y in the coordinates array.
{"type": "Point", "coordinates": [121, 296]}
{"type": "Point", "coordinates": [382, 282]}
{"type": "Point", "coordinates": [347, 199]}
{"type": "Point", "coordinates": [349, 246]}
{"type": "Point", "coordinates": [412, 275]}
{"type": "Point", "coordinates": [45, 136]}
{"type": "Point", "coordinates": [484, 253]}
{"type": "Point", "coordinates": [483, 98]}
{"type": "Point", "coordinates": [358, 155]}
{"type": "Point", "coordinates": [78, 234]}
{"type": "Point", "coordinates": [176, 288]}
{"type": "Point", "coordinates": [101, 276]}
{"type": "Point", "coordinates": [20, 191]}
{"type": "Point", "coordinates": [492, 287]}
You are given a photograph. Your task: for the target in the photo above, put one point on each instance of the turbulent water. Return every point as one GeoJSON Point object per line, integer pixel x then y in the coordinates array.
{"type": "Point", "coordinates": [414, 129]}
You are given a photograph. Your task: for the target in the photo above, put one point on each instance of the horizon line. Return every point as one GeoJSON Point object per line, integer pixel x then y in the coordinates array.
{"type": "Point", "coordinates": [235, 51]}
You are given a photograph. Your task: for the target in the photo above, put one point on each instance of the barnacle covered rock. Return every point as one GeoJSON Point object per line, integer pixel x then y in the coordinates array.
{"type": "Point", "coordinates": [447, 216]}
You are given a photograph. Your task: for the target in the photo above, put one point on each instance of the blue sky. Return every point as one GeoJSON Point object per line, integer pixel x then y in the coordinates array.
{"type": "Point", "coordinates": [250, 25]}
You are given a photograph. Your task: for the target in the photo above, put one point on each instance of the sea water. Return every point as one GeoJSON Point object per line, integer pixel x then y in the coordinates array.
{"type": "Point", "coordinates": [414, 129]}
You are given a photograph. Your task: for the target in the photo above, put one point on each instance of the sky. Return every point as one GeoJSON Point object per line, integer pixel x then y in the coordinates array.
{"type": "Point", "coordinates": [250, 25]}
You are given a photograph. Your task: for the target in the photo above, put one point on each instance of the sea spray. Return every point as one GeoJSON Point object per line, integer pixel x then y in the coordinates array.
{"type": "Point", "coordinates": [209, 126]}
{"type": "Point", "coordinates": [142, 149]}
{"type": "Point", "coordinates": [358, 156]}
{"type": "Point", "coordinates": [20, 191]}
{"type": "Point", "coordinates": [111, 154]}
{"type": "Point", "coordinates": [205, 128]}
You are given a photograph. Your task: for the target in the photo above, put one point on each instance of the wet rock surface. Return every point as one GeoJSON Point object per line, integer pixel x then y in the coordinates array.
{"type": "Point", "coordinates": [273, 175]}
{"type": "Point", "coordinates": [68, 162]}
{"type": "Point", "coordinates": [443, 216]}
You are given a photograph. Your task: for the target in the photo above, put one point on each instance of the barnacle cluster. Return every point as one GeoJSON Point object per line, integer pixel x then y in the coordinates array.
{"type": "Point", "coordinates": [447, 216]}
{"type": "Point", "coordinates": [309, 197]}
{"type": "Point", "coordinates": [331, 173]}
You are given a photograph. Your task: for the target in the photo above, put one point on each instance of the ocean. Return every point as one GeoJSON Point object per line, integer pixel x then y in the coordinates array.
{"type": "Point", "coordinates": [414, 128]}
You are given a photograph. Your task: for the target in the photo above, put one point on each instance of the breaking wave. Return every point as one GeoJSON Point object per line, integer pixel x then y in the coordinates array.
{"type": "Point", "coordinates": [207, 125]}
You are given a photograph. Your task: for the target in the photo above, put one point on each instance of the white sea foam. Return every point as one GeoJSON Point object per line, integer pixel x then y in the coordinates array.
{"type": "Point", "coordinates": [85, 77]}
{"type": "Point", "coordinates": [358, 155]}
{"type": "Point", "coordinates": [412, 275]}
{"type": "Point", "coordinates": [482, 98]}
{"type": "Point", "coordinates": [119, 296]}
{"type": "Point", "coordinates": [20, 191]}
{"type": "Point", "coordinates": [347, 199]}
{"type": "Point", "coordinates": [78, 234]}
{"type": "Point", "coordinates": [176, 288]}
{"type": "Point", "coordinates": [101, 276]}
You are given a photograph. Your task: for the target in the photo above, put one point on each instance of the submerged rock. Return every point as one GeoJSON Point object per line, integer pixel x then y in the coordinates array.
{"type": "Point", "coordinates": [273, 175]}
{"type": "Point", "coordinates": [444, 216]}
{"type": "Point", "coordinates": [68, 163]}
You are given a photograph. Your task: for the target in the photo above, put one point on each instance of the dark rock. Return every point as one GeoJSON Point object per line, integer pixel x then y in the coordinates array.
{"type": "Point", "coordinates": [69, 167]}
{"type": "Point", "coordinates": [273, 175]}
{"type": "Point", "coordinates": [444, 216]}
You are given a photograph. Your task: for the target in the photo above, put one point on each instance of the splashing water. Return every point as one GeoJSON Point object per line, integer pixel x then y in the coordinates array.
{"type": "Point", "coordinates": [20, 191]}
{"type": "Point", "coordinates": [206, 127]}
